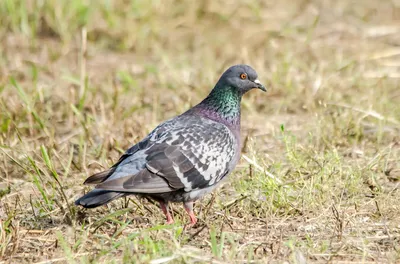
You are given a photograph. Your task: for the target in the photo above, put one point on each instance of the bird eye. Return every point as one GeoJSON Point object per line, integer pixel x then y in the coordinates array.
{"type": "Point", "coordinates": [243, 76]}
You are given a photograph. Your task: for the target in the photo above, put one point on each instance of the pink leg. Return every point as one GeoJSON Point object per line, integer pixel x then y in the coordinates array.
{"type": "Point", "coordinates": [164, 208]}
{"type": "Point", "coordinates": [189, 209]}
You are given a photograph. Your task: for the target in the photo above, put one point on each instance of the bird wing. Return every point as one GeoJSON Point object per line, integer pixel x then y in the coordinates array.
{"type": "Point", "coordinates": [186, 153]}
{"type": "Point", "coordinates": [104, 175]}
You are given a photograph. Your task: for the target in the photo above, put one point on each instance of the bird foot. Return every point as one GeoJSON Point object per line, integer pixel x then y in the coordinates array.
{"type": "Point", "coordinates": [164, 208]}
{"type": "Point", "coordinates": [193, 220]}
{"type": "Point", "coordinates": [189, 225]}
{"type": "Point", "coordinates": [170, 220]}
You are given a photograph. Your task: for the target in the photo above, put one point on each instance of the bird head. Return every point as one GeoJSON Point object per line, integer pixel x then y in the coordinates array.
{"type": "Point", "coordinates": [241, 77]}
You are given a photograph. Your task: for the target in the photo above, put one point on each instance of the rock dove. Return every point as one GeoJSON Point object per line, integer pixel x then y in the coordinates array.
{"type": "Point", "coordinates": [185, 157]}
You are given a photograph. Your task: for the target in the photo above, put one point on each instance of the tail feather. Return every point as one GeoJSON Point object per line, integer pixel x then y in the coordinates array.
{"type": "Point", "coordinates": [98, 197]}
{"type": "Point", "coordinates": [99, 177]}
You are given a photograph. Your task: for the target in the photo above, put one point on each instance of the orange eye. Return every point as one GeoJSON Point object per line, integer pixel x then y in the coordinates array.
{"type": "Point", "coordinates": [243, 76]}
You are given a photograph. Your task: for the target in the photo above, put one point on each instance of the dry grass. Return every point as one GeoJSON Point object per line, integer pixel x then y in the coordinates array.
{"type": "Point", "coordinates": [80, 81]}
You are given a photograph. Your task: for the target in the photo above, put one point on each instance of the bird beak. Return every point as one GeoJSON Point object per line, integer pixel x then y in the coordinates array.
{"type": "Point", "coordinates": [260, 86]}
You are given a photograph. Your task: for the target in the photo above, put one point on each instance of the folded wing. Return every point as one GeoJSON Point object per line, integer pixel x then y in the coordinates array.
{"type": "Point", "coordinates": [189, 154]}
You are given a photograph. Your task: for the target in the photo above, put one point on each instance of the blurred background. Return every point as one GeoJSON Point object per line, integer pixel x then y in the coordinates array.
{"type": "Point", "coordinates": [80, 81]}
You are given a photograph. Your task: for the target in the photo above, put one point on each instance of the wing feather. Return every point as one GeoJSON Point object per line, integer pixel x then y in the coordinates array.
{"type": "Point", "coordinates": [189, 153]}
{"type": "Point", "coordinates": [142, 182]}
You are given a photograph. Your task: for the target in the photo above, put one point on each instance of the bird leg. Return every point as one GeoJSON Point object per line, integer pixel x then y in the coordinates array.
{"type": "Point", "coordinates": [164, 208]}
{"type": "Point", "coordinates": [189, 209]}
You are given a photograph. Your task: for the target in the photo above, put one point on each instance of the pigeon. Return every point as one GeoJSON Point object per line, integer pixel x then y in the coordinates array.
{"type": "Point", "coordinates": [183, 158]}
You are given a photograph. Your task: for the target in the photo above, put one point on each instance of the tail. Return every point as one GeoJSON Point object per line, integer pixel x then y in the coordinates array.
{"type": "Point", "coordinates": [98, 197]}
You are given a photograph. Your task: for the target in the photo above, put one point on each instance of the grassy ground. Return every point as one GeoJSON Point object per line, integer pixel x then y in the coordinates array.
{"type": "Point", "coordinates": [80, 81]}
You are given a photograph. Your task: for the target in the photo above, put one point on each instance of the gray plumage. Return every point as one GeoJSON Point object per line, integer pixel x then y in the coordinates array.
{"type": "Point", "coordinates": [185, 157]}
